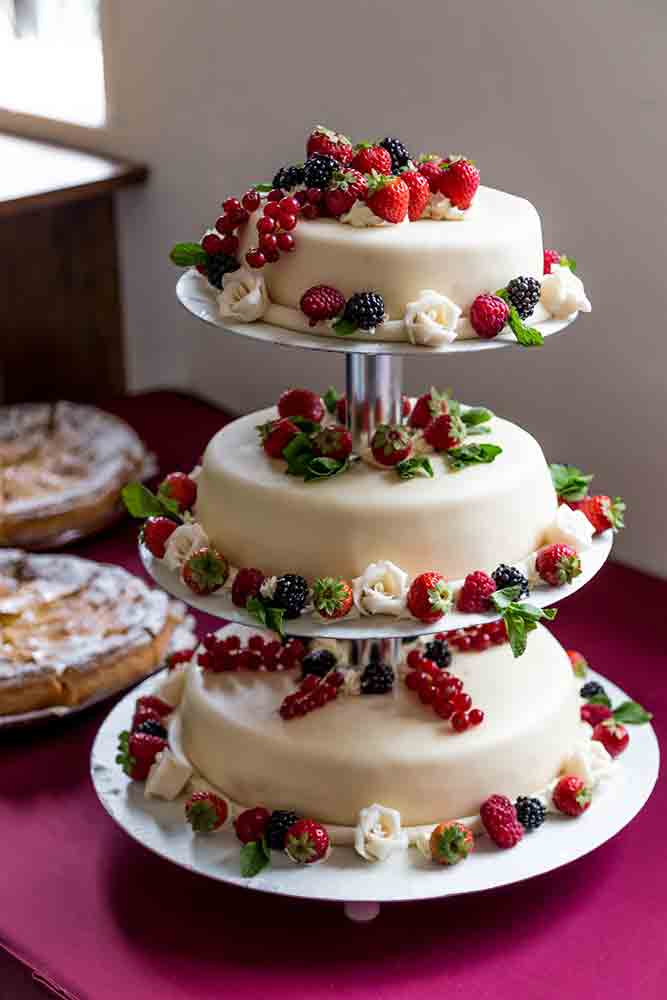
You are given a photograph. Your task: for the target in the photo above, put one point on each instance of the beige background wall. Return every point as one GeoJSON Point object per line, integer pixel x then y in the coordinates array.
{"type": "Point", "coordinates": [562, 101]}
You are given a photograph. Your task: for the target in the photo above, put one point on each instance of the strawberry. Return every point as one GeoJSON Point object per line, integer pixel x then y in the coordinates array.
{"type": "Point", "coordinates": [420, 192]}
{"type": "Point", "coordinates": [388, 197]}
{"type": "Point", "coordinates": [247, 583]}
{"type": "Point", "coordinates": [429, 597]}
{"type": "Point", "coordinates": [593, 714]}
{"type": "Point", "coordinates": [429, 167]}
{"type": "Point", "coordinates": [179, 487]}
{"type": "Point", "coordinates": [603, 512]}
{"type": "Point", "coordinates": [142, 715]}
{"type": "Point", "coordinates": [250, 825]}
{"type": "Point", "coordinates": [445, 432]}
{"type": "Point", "coordinates": [459, 180]}
{"type": "Point", "coordinates": [579, 663]}
{"type": "Point", "coordinates": [347, 186]}
{"type": "Point", "coordinates": [612, 735]}
{"type": "Point", "coordinates": [151, 701]}
{"type": "Point", "coordinates": [333, 442]}
{"type": "Point", "coordinates": [391, 444]}
{"type": "Point", "coordinates": [156, 533]}
{"type": "Point", "coordinates": [137, 752]}
{"type": "Point", "coordinates": [332, 597]}
{"type": "Point", "coordinates": [306, 842]}
{"type": "Point", "coordinates": [322, 302]}
{"type": "Point", "coordinates": [557, 564]}
{"type": "Point", "coordinates": [328, 143]}
{"type": "Point", "coordinates": [301, 403]}
{"type": "Point", "coordinates": [500, 821]}
{"type": "Point", "coordinates": [205, 571]}
{"type": "Point", "coordinates": [429, 406]}
{"type": "Point", "coordinates": [206, 812]}
{"type": "Point", "coordinates": [276, 435]}
{"type": "Point", "coordinates": [572, 796]}
{"type": "Point", "coordinates": [476, 591]}
{"type": "Point", "coordinates": [451, 843]}
{"type": "Point", "coordinates": [368, 158]}
{"type": "Point", "coordinates": [488, 316]}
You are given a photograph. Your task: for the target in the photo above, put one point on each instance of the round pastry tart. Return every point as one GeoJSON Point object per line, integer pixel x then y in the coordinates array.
{"type": "Point", "coordinates": [62, 467]}
{"type": "Point", "coordinates": [71, 627]}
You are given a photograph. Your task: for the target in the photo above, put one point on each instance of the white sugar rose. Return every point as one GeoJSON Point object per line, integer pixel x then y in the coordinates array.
{"type": "Point", "coordinates": [571, 527]}
{"type": "Point", "coordinates": [378, 833]}
{"type": "Point", "coordinates": [431, 320]}
{"type": "Point", "coordinates": [167, 777]}
{"type": "Point", "coordinates": [244, 297]}
{"type": "Point", "coordinates": [589, 761]}
{"type": "Point", "coordinates": [563, 294]}
{"type": "Point", "coordinates": [382, 589]}
{"type": "Point", "coordinates": [185, 540]}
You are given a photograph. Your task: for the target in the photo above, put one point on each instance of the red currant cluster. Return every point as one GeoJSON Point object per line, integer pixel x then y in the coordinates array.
{"type": "Point", "coordinates": [476, 638]}
{"type": "Point", "coordinates": [444, 692]}
{"type": "Point", "coordinates": [279, 218]}
{"type": "Point", "coordinates": [313, 692]}
{"type": "Point", "coordinates": [226, 653]}
{"type": "Point", "coordinates": [179, 656]}
{"type": "Point", "coordinates": [235, 214]}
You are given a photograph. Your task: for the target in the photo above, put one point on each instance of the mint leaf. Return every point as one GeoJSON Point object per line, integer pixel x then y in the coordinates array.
{"type": "Point", "coordinates": [255, 606]}
{"type": "Point", "coordinates": [321, 467]}
{"type": "Point", "coordinates": [568, 262]}
{"type": "Point", "coordinates": [632, 713]}
{"type": "Point", "coordinates": [527, 336]}
{"type": "Point", "coordinates": [477, 415]}
{"type": "Point", "coordinates": [419, 465]}
{"type": "Point", "coordinates": [305, 425]}
{"type": "Point", "coordinates": [472, 454]}
{"type": "Point", "coordinates": [254, 857]}
{"type": "Point", "coordinates": [517, 632]}
{"type": "Point", "coordinates": [263, 188]}
{"type": "Point", "coordinates": [188, 254]}
{"type": "Point", "coordinates": [502, 599]}
{"type": "Point", "coordinates": [275, 618]}
{"type": "Point", "coordinates": [298, 454]}
{"type": "Point", "coordinates": [141, 503]}
{"type": "Point", "coordinates": [520, 618]}
{"type": "Point", "coordinates": [570, 483]}
{"type": "Point", "coordinates": [272, 618]}
{"type": "Point", "coordinates": [331, 397]}
{"type": "Point", "coordinates": [344, 327]}
{"type": "Point", "coordinates": [600, 699]}
{"type": "Point", "coordinates": [480, 429]}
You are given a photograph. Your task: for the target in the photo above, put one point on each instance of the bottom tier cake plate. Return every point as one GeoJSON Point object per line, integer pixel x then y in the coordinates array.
{"type": "Point", "coordinates": [347, 878]}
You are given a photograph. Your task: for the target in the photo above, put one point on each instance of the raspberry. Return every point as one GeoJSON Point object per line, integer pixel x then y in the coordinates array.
{"type": "Point", "coordinates": [551, 257]}
{"type": "Point", "coordinates": [488, 315]}
{"type": "Point", "coordinates": [475, 592]}
{"type": "Point", "coordinates": [246, 584]}
{"type": "Point", "coordinates": [322, 302]}
{"type": "Point", "coordinates": [500, 821]}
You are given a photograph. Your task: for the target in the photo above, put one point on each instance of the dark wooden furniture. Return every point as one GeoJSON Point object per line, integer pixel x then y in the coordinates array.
{"type": "Point", "coordinates": [61, 330]}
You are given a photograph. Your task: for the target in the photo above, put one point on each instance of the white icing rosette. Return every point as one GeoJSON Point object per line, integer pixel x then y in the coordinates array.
{"type": "Point", "coordinates": [382, 589]}
{"type": "Point", "coordinates": [378, 833]}
{"type": "Point", "coordinates": [431, 319]}
{"type": "Point", "coordinates": [361, 216]}
{"type": "Point", "coordinates": [571, 527]}
{"type": "Point", "coordinates": [563, 294]}
{"type": "Point", "coordinates": [244, 297]}
{"type": "Point", "coordinates": [182, 543]}
{"type": "Point", "coordinates": [440, 207]}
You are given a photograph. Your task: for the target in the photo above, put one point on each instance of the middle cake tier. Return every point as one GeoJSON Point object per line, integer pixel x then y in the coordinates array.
{"type": "Point", "coordinates": [456, 522]}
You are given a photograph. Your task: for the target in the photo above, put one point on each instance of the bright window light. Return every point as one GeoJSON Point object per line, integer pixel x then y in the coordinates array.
{"type": "Point", "coordinates": [51, 62]}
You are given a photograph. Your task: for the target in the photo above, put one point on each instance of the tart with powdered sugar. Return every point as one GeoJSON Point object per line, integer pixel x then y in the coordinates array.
{"type": "Point", "coordinates": [62, 467]}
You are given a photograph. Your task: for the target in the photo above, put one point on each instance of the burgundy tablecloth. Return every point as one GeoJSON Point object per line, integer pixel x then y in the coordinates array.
{"type": "Point", "coordinates": [98, 917]}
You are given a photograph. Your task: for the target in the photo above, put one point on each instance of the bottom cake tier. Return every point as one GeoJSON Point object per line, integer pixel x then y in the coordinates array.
{"type": "Point", "coordinates": [389, 748]}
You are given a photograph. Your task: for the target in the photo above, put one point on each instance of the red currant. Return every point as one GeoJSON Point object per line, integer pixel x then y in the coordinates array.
{"type": "Point", "coordinates": [415, 659]}
{"type": "Point", "coordinates": [314, 196]}
{"type": "Point", "coordinates": [251, 200]}
{"type": "Point", "coordinates": [272, 256]}
{"type": "Point", "coordinates": [443, 707]}
{"type": "Point", "coordinates": [231, 205]}
{"type": "Point", "coordinates": [255, 258]}
{"type": "Point", "coordinates": [289, 205]}
{"type": "Point", "coordinates": [310, 211]}
{"type": "Point", "coordinates": [286, 220]}
{"type": "Point", "coordinates": [412, 680]}
{"type": "Point", "coordinates": [212, 243]}
{"type": "Point", "coordinates": [427, 692]}
{"type": "Point", "coordinates": [286, 242]}
{"type": "Point", "coordinates": [256, 642]}
{"type": "Point", "coordinates": [462, 702]}
{"type": "Point", "coordinates": [266, 225]}
{"type": "Point", "coordinates": [232, 642]}
{"type": "Point", "coordinates": [225, 225]}
{"type": "Point", "coordinates": [309, 683]}
{"type": "Point", "coordinates": [475, 716]}
{"type": "Point", "coordinates": [229, 245]}
{"type": "Point", "coordinates": [275, 195]}
{"type": "Point", "coordinates": [268, 244]}
{"type": "Point", "coordinates": [460, 722]}
{"type": "Point", "coordinates": [271, 210]}
{"type": "Point", "coordinates": [481, 642]}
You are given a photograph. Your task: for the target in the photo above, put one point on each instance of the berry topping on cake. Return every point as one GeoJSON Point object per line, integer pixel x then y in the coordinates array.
{"type": "Point", "coordinates": [429, 167]}
{"type": "Point", "coordinates": [328, 143]}
{"type": "Point", "coordinates": [251, 824]}
{"type": "Point", "coordinates": [288, 178]}
{"type": "Point", "coordinates": [593, 713]}
{"type": "Point", "coordinates": [251, 200]}
{"type": "Point", "coordinates": [150, 708]}
{"type": "Point", "coordinates": [420, 193]}
{"type": "Point", "coordinates": [377, 678]}
{"type": "Point", "coordinates": [152, 727]}
{"type": "Point", "coordinates": [445, 432]}
{"type": "Point", "coordinates": [613, 736]}
{"type": "Point", "coordinates": [217, 266]}
{"type": "Point", "coordinates": [429, 597]}
{"type": "Point", "coordinates": [551, 257]}
{"type": "Point", "coordinates": [206, 812]}
{"type": "Point", "coordinates": [391, 444]}
{"type": "Point", "coordinates": [429, 406]}
{"type": "Point", "coordinates": [523, 294]}
{"type": "Point", "coordinates": [318, 662]}
{"type": "Point", "coordinates": [306, 842]}
{"type": "Point", "coordinates": [450, 843]}
{"type": "Point", "coordinates": [388, 197]}
{"type": "Point", "coordinates": [137, 753]}
{"type": "Point", "coordinates": [247, 583]}
{"type": "Point", "coordinates": [347, 186]}
{"type": "Point", "coordinates": [155, 534]}
{"type": "Point", "coordinates": [557, 564]}
{"type": "Point", "coordinates": [438, 651]}
{"type": "Point", "coordinates": [488, 316]}
{"type": "Point", "coordinates": [333, 442]}
{"type": "Point", "coordinates": [318, 171]}
{"type": "Point", "coordinates": [363, 311]}
{"type": "Point", "coordinates": [603, 512]}
{"type": "Point", "coordinates": [301, 403]}
{"type": "Point", "coordinates": [177, 657]}
{"type": "Point", "coordinates": [571, 795]}
{"type": "Point", "coordinates": [276, 435]}
{"type": "Point", "coordinates": [179, 487]}
{"type": "Point", "coordinates": [509, 576]}
{"type": "Point", "coordinates": [205, 571]}
{"type": "Point", "coordinates": [332, 597]}
{"type": "Point", "coordinates": [499, 818]}
{"type": "Point", "coordinates": [322, 302]}
{"type": "Point", "coordinates": [474, 595]}
{"type": "Point", "coordinates": [459, 180]}
{"type": "Point", "coordinates": [578, 661]}
{"type": "Point", "coordinates": [530, 812]}
{"type": "Point", "coordinates": [591, 690]}
{"type": "Point", "coordinates": [369, 157]}
{"type": "Point", "coordinates": [398, 152]}
{"type": "Point", "coordinates": [290, 594]}
{"type": "Point", "coordinates": [276, 829]}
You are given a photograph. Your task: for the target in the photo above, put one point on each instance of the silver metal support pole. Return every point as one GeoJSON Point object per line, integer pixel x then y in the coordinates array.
{"type": "Point", "coordinates": [357, 397]}
{"type": "Point", "coordinates": [374, 394]}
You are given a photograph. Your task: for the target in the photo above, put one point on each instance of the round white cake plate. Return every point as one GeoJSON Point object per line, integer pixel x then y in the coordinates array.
{"type": "Point", "coordinates": [347, 878]}
{"type": "Point", "coordinates": [371, 626]}
{"type": "Point", "coordinates": [196, 295]}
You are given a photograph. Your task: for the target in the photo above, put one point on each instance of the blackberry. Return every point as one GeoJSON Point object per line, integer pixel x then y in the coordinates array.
{"type": "Point", "coordinates": [377, 678]}
{"type": "Point", "coordinates": [318, 170]}
{"type": "Point", "coordinates": [289, 177]}
{"type": "Point", "coordinates": [439, 652]}
{"type": "Point", "coordinates": [217, 266]}
{"type": "Point", "coordinates": [524, 294]}
{"type": "Point", "coordinates": [365, 310]}
{"type": "Point", "coordinates": [510, 576]}
{"type": "Point", "coordinates": [276, 829]}
{"type": "Point", "coordinates": [529, 812]}
{"type": "Point", "coordinates": [591, 689]}
{"type": "Point", "coordinates": [319, 662]}
{"type": "Point", "coordinates": [291, 594]}
{"type": "Point", "coordinates": [152, 728]}
{"type": "Point", "coordinates": [397, 151]}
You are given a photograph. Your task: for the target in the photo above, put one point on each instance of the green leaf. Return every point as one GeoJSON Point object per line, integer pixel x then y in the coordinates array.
{"type": "Point", "coordinates": [331, 397]}
{"type": "Point", "coordinates": [520, 618]}
{"type": "Point", "coordinates": [476, 415]}
{"type": "Point", "coordinates": [344, 327]}
{"type": "Point", "coordinates": [263, 188]}
{"type": "Point", "coordinates": [570, 483]}
{"type": "Point", "coordinates": [517, 632]}
{"type": "Point", "coordinates": [141, 503]}
{"type": "Point", "coordinates": [305, 425]}
{"type": "Point", "coordinates": [188, 254]}
{"type": "Point", "coordinates": [254, 857]}
{"type": "Point", "coordinates": [632, 713]}
{"type": "Point", "coordinates": [568, 262]}
{"type": "Point", "coordinates": [272, 618]}
{"type": "Point", "coordinates": [275, 618]}
{"type": "Point", "coordinates": [418, 465]}
{"type": "Point", "coordinates": [255, 606]}
{"type": "Point", "coordinates": [472, 454]}
{"type": "Point", "coordinates": [298, 453]}
{"type": "Point", "coordinates": [321, 467]}
{"type": "Point", "coordinates": [600, 699]}
{"type": "Point", "coordinates": [502, 599]}
{"type": "Point", "coordinates": [476, 431]}
{"type": "Point", "coordinates": [527, 336]}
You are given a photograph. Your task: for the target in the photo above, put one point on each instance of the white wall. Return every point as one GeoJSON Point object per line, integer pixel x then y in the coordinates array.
{"type": "Point", "coordinates": [558, 100]}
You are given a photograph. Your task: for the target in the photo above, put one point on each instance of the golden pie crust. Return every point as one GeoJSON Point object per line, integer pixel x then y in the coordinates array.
{"type": "Point", "coordinates": [62, 467]}
{"type": "Point", "coordinates": [70, 628]}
